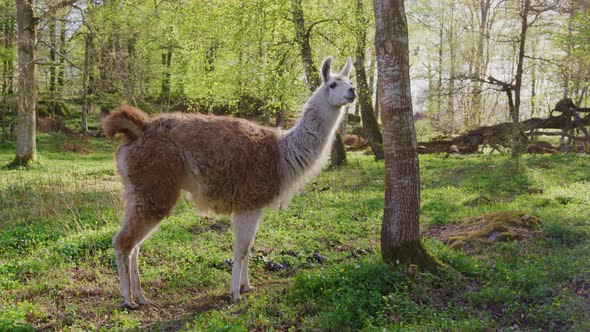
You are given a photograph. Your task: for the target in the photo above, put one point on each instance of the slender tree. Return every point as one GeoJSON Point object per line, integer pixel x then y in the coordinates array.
{"type": "Point", "coordinates": [86, 79]}
{"type": "Point", "coordinates": [400, 235]}
{"type": "Point", "coordinates": [302, 38]}
{"type": "Point", "coordinates": [370, 125]}
{"type": "Point", "coordinates": [312, 75]}
{"type": "Point", "coordinates": [52, 65]}
{"type": "Point", "coordinates": [166, 72]}
{"type": "Point", "coordinates": [479, 63]}
{"type": "Point", "coordinates": [452, 69]}
{"type": "Point", "coordinates": [26, 148]}
{"type": "Point", "coordinates": [7, 69]}
{"type": "Point", "coordinates": [516, 146]}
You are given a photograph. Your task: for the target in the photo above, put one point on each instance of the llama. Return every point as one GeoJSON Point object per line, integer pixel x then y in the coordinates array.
{"type": "Point", "coordinates": [229, 166]}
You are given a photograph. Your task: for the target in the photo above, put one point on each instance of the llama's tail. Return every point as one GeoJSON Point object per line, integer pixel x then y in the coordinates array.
{"type": "Point", "coordinates": [127, 120]}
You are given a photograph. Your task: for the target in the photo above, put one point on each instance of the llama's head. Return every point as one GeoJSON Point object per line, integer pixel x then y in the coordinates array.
{"type": "Point", "coordinates": [338, 87]}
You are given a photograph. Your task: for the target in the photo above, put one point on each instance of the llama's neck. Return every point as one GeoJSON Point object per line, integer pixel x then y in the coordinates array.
{"type": "Point", "coordinates": [305, 147]}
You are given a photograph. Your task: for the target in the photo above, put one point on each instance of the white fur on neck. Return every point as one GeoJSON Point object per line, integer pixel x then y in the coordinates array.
{"type": "Point", "coordinates": [305, 148]}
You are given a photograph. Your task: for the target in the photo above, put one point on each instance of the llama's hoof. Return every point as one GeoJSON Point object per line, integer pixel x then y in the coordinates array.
{"type": "Point", "coordinates": [247, 288]}
{"type": "Point", "coordinates": [235, 298]}
{"type": "Point", "coordinates": [131, 305]}
{"type": "Point", "coordinates": [143, 301]}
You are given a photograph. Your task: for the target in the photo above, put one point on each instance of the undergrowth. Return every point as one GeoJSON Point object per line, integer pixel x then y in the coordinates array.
{"type": "Point", "coordinates": [315, 264]}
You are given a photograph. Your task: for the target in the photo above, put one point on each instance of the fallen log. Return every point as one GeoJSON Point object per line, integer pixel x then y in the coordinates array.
{"type": "Point", "coordinates": [556, 133]}
{"type": "Point", "coordinates": [500, 135]}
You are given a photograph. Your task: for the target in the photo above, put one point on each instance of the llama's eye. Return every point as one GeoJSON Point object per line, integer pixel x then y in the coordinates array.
{"type": "Point", "coordinates": [333, 85]}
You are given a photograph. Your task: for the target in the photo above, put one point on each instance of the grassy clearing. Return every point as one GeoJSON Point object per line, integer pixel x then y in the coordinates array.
{"type": "Point", "coordinates": [57, 269]}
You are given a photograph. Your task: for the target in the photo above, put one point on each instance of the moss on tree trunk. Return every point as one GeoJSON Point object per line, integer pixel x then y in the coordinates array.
{"type": "Point", "coordinates": [411, 252]}
{"type": "Point", "coordinates": [338, 154]}
{"type": "Point", "coordinates": [22, 161]}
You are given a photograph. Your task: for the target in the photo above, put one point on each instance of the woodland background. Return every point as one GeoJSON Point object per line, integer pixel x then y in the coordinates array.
{"type": "Point", "coordinates": [249, 58]}
{"type": "Point", "coordinates": [511, 235]}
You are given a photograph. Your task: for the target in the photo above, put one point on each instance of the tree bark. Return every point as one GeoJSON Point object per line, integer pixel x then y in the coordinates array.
{"type": "Point", "coordinates": [480, 66]}
{"type": "Point", "coordinates": [338, 153]}
{"type": "Point", "coordinates": [400, 233]}
{"type": "Point", "coordinates": [26, 149]}
{"type": "Point", "coordinates": [302, 37]}
{"type": "Point", "coordinates": [452, 61]}
{"type": "Point", "coordinates": [62, 57]}
{"type": "Point", "coordinates": [440, 67]}
{"type": "Point", "coordinates": [166, 64]}
{"type": "Point", "coordinates": [567, 76]}
{"type": "Point", "coordinates": [370, 125]}
{"type": "Point", "coordinates": [516, 145]}
{"type": "Point", "coordinates": [88, 50]}
{"type": "Point", "coordinates": [6, 72]}
{"type": "Point", "coordinates": [122, 71]}
{"type": "Point", "coordinates": [52, 66]}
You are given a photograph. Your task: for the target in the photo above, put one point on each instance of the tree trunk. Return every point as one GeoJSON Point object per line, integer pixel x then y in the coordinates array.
{"type": "Point", "coordinates": [88, 42]}
{"type": "Point", "coordinates": [122, 71]}
{"type": "Point", "coordinates": [480, 67]}
{"type": "Point", "coordinates": [62, 57]}
{"type": "Point", "coordinates": [26, 149]}
{"type": "Point", "coordinates": [338, 153]}
{"type": "Point", "coordinates": [452, 60]}
{"type": "Point", "coordinates": [377, 106]}
{"type": "Point", "coordinates": [302, 37]}
{"type": "Point", "coordinates": [312, 74]}
{"type": "Point", "coordinates": [370, 125]}
{"type": "Point", "coordinates": [566, 76]}
{"type": "Point", "coordinates": [516, 139]}
{"type": "Point", "coordinates": [6, 72]}
{"type": "Point", "coordinates": [166, 63]}
{"type": "Point", "coordinates": [400, 233]}
{"type": "Point", "coordinates": [52, 65]}
{"type": "Point", "coordinates": [440, 67]}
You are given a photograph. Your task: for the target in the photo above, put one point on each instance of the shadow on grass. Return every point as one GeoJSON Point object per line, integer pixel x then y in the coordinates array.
{"type": "Point", "coordinates": [202, 306]}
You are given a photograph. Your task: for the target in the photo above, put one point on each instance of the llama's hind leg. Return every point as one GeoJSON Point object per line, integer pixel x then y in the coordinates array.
{"type": "Point", "coordinates": [136, 291]}
{"type": "Point", "coordinates": [135, 229]}
{"type": "Point", "coordinates": [245, 226]}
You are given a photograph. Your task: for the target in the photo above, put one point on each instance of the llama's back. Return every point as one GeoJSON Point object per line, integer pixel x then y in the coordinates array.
{"type": "Point", "coordinates": [230, 165]}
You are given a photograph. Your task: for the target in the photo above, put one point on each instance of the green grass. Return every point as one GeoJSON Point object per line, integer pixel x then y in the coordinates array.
{"type": "Point", "coordinates": [57, 269]}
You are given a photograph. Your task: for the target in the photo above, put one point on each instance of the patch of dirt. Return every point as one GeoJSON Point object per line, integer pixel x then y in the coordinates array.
{"type": "Point", "coordinates": [219, 226]}
{"type": "Point", "coordinates": [486, 229]}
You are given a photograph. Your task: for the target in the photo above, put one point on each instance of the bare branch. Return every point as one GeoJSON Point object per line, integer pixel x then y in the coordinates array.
{"type": "Point", "coordinates": [53, 9]}
{"type": "Point", "coordinates": [312, 25]}
{"type": "Point", "coordinates": [57, 51]}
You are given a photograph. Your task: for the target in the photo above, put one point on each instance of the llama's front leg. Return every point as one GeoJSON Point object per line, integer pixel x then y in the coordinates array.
{"type": "Point", "coordinates": [245, 226]}
{"type": "Point", "coordinates": [244, 280]}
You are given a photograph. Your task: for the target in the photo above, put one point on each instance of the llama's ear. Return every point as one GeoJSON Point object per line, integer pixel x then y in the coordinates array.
{"type": "Point", "coordinates": [346, 69]}
{"type": "Point", "coordinates": [326, 66]}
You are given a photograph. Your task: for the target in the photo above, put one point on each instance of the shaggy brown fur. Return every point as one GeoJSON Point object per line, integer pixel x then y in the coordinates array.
{"type": "Point", "coordinates": [126, 119]}
{"type": "Point", "coordinates": [229, 165]}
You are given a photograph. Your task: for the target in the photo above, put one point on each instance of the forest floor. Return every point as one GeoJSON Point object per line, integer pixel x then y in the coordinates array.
{"type": "Point", "coordinates": [316, 264]}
